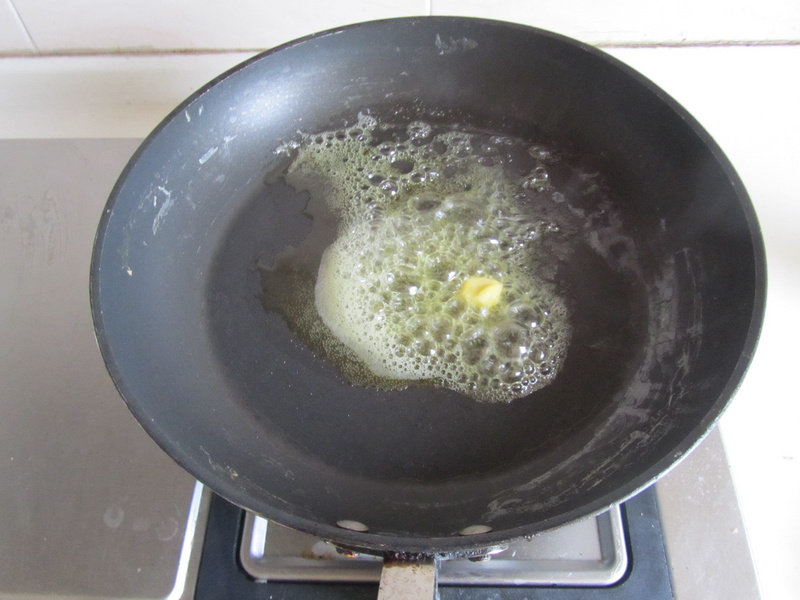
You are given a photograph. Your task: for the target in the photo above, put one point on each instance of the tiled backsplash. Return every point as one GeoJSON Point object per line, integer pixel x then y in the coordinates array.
{"type": "Point", "coordinates": [89, 68]}
{"type": "Point", "coordinates": [81, 25]}
{"type": "Point", "coordinates": [630, 22]}
{"type": "Point", "coordinates": [103, 26]}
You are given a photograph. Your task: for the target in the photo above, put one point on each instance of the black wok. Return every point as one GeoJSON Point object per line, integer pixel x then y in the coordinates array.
{"type": "Point", "coordinates": [229, 391]}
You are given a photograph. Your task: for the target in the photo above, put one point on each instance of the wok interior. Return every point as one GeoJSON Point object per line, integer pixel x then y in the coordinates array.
{"type": "Point", "coordinates": [229, 391]}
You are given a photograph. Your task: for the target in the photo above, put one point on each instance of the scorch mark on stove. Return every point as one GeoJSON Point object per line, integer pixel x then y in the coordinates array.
{"type": "Point", "coordinates": [113, 517]}
{"type": "Point", "coordinates": [166, 529]}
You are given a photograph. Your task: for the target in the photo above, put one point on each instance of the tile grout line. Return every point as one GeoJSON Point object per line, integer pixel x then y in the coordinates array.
{"type": "Point", "coordinates": [160, 52]}
{"type": "Point", "coordinates": [24, 27]}
{"type": "Point", "coordinates": [131, 52]}
{"type": "Point", "coordinates": [699, 44]}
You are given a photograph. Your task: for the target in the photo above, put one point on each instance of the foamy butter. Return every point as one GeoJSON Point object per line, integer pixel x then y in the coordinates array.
{"type": "Point", "coordinates": [431, 276]}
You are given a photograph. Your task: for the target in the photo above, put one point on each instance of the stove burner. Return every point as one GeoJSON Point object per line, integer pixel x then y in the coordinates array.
{"type": "Point", "coordinates": [225, 572]}
{"type": "Point", "coordinates": [590, 552]}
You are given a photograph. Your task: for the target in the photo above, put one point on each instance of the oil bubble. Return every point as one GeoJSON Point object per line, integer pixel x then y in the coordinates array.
{"type": "Point", "coordinates": [538, 180]}
{"type": "Point", "coordinates": [402, 165]}
{"type": "Point", "coordinates": [418, 131]}
{"type": "Point", "coordinates": [388, 187]}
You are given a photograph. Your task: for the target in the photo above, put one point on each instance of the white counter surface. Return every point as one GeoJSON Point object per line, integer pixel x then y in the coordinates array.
{"type": "Point", "coordinates": [747, 96]}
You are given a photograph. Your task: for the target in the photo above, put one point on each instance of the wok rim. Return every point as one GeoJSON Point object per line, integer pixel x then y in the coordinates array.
{"type": "Point", "coordinates": [452, 545]}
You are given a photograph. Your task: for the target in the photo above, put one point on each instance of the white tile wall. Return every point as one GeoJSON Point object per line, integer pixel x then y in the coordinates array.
{"type": "Point", "coordinates": [13, 38]}
{"type": "Point", "coordinates": [632, 21]}
{"type": "Point", "coordinates": [69, 25]}
{"type": "Point", "coordinates": [109, 26]}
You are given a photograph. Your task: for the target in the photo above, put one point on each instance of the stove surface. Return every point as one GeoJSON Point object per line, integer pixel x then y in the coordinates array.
{"type": "Point", "coordinates": [89, 505]}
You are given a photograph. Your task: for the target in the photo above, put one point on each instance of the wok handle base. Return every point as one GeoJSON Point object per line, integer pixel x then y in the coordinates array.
{"type": "Point", "coordinates": [408, 579]}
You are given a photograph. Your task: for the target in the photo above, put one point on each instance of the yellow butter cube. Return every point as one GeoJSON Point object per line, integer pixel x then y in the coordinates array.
{"type": "Point", "coordinates": [481, 292]}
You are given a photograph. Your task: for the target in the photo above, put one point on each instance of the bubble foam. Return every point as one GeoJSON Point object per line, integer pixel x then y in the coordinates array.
{"type": "Point", "coordinates": [419, 213]}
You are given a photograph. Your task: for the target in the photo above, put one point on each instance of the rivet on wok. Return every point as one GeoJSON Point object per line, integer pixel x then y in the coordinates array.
{"type": "Point", "coordinates": [352, 525]}
{"type": "Point", "coordinates": [475, 529]}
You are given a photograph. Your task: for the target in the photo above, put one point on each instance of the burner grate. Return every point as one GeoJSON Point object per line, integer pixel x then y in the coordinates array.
{"type": "Point", "coordinates": [221, 574]}
{"type": "Point", "coordinates": [590, 552]}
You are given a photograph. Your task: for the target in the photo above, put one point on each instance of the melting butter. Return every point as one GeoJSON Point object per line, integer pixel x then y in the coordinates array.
{"type": "Point", "coordinates": [431, 274]}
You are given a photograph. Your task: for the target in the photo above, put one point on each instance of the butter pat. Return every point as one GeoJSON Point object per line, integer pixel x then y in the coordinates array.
{"type": "Point", "coordinates": [481, 292]}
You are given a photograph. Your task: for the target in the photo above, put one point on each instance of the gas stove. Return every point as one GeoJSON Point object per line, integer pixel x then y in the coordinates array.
{"type": "Point", "coordinates": [91, 507]}
{"type": "Point", "coordinates": [618, 554]}
{"type": "Point", "coordinates": [591, 552]}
